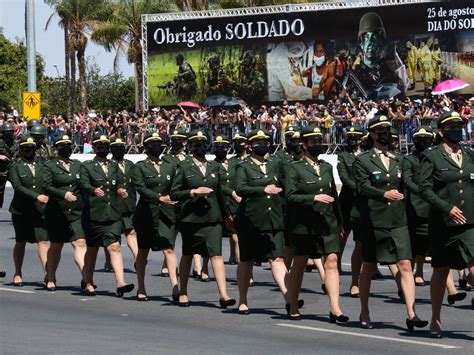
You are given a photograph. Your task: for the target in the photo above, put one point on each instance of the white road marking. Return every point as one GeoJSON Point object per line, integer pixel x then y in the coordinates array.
{"type": "Point", "coordinates": [12, 290]}
{"type": "Point", "coordinates": [379, 337]}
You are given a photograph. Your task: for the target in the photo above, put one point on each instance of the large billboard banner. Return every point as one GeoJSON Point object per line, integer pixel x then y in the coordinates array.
{"type": "Point", "coordinates": [298, 54]}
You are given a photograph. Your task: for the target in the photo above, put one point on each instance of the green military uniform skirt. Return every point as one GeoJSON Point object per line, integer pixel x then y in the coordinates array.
{"type": "Point", "coordinates": [387, 246]}
{"type": "Point", "coordinates": [315, 246]}
{"type": "Point", "coordinates": [64, 231]}
{"type": "Point", "coordinates": [28, 229]}
{"type": "Point", "coordinates": [127, 221]}
{"type": "Point", "coordinates": [418, 228]}
{"type": "Point", "coordinates": [153, 236]}
{"type": "Point", "coordinates": [204, 239]}
{"type": "Point", "coordinates": [260, 245]}
{"type": "Point", "coordinates": [103, 234]}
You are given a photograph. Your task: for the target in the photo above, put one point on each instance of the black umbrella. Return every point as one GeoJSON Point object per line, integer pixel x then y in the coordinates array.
{"type": "Point", "coordinates": [386, 91]}
{"type": "Point", "coordinates": [214, 101]}
{"type": "Point", "coordinates": [233, 101]}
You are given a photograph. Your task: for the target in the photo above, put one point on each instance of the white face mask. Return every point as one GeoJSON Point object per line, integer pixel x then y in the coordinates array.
{"type": "Point", "coordinates": [318, 61]}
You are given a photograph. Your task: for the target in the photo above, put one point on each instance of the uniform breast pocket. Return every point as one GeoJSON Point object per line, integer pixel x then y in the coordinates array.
{"type": "Point", "coordinates": [97, 182]}
{"type": "Point", "coordinates": [24, 177]}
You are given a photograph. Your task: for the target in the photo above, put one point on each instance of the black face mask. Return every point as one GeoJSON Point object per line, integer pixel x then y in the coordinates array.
{"type": "Point", "coordinates": [294, 147]}
{"type": "Point", "coordinates": [38, 140]}
{"type": "Point", "coordinates": [260, 149]}
{"type": "Point", "coordinates": [383, 138]}
{"type": "Point", "coordinates": [176, 145]}
{"type": "Point", "coordinates": [353, 143]}
{"type": "Point", "coordinates": [315, 150]}
{"type": "Point", "coordinates": [118, 152]}
{"type": "Point", "coordinates": [155, 151]}
{"type": "Point", "coordinates": [28, 153]}
{"type": "Point", "coordinates": [65, 152]}
{"type": "Point", "coordinates": [200, 150]}
{"type": "Point", "coordinates": [102, 152]}
{"type": "Point", "coordinates": [453, 135]}
{"type": "Point", "coordinates": [421, 146]}
{"type": "Point", "coordinates": [220, 153]}
{"type": "Point", "coordinates": [8, 136]}
{"type": "Point", "coordinates": [239, 149]}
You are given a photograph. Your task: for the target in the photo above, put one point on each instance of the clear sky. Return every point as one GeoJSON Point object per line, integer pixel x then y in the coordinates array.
{"type": "Point", "coordinates": [50, 43]}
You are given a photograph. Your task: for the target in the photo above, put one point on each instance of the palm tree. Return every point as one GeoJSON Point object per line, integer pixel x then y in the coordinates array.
{"type": "Point", "coordinates": [79, 18]}
{"type": "Point", "coordinates": [122, 32]}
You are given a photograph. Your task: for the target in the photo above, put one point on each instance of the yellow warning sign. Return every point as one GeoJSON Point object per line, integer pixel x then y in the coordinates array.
{"type": "Point", "coordinates": [31, 105]}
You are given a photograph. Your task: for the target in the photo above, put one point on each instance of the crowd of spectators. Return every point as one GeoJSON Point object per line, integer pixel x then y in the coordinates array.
{"type": "Point", "coordinates": [334, 117]}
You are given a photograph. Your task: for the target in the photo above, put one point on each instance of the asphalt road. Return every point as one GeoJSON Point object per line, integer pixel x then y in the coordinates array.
{"type": "Point", "coordinates": [33, 320]}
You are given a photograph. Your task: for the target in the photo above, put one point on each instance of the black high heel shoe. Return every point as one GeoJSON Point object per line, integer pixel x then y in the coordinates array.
{"type": "Point", "coordinates": [457, 297]}
{"type": "Point", "coordinates": [195, 274]}
{"type": "Point", "coordinates": [300, 305]}
{"type": "Point", "coordinates": [84, 284]}
{"type": "Point", "coordinates": [142, 299]}
{"type": "Point", "coordinates": [366, 325]}
{"type": "Point", "coordinates": [124, 289]}
{"type": "Point", "coordinates": [436, 334]}
{"type": "Point", "coordinates": [243, 312]}
{"type": "Point", "coordinates": [411, 324]}
{"type": "Point", "coordinates": [294, 317]}
{"type": "Point", "coordinates": [340, 318]}
{"type": "Point", "coordinates": [462, 284]}
{"type": "Point", "coordinates": [227, 303]}
{"type": "Point", "coordinates": [90, 293]}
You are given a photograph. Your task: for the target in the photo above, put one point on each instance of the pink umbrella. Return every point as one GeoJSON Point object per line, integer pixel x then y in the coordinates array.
{"type": "Point", "coordinates": [189, 104]}
{"type": "Point", "coordinates": [449, 86]}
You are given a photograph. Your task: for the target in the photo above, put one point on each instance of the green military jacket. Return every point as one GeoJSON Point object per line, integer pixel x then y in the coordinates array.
{"type": "Point", "coordinates": [58, 181]}
{"type": "Point", "coordinates": [209, 209]}
{"type": "Point", "coordinates": [173, 158]}
{"type": "Point", "coordinates": [26, 188]}
{"type": "Point", "coordinates": [348, 196]}
{"type": "Point", "coordinates": [127, 205]}
{"type": "Point", "coordinates": [444, 184]}
{"type": "Point", "coordinates": [257, 209]}
{"type": "Point", "coordinates": [230, 186]}
{"type": "Point", "coordinates": [373, 180]}
{"type": "Point", "coordinates": [306, 216]}
{"type": "Point", "coordinates": [151, 185]}
{"type": "Point", "coordinates": [100, 209]}
{"type": "Point", "coordinates": [417, 206]}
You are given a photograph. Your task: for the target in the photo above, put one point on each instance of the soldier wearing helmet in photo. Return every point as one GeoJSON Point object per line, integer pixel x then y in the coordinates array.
{"type": "Point", "coordinates": [185, 80]}
{"type": "Point", "coordinates": [251, 85]}
{"type": "Point", "coordinates": [218, 80]}
{"type": "Point", "coordinates": [376, 67]}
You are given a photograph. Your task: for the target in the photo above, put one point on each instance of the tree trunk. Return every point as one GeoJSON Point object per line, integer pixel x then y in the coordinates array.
{"type": "Point", "coordinates": [82, 78]}
{"type": "Point", "coordinates": [67, 74]}
{"type": "Point", "coordinates": [139, 86]}
{"type": "Point", "coordinates": [72, 86]}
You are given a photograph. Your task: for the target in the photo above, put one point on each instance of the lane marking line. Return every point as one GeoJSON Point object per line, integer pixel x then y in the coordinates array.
{"type": "Point", "coordinates": [379, 337]}
{"type": "Point", "coordinates": [19, 291]}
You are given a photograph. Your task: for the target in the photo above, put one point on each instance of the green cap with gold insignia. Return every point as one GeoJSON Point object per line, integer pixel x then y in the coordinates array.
{"type": "Point", "coordinates": [446, 117]}
{"type": "Point", "coordinates": [355, 130]}
{"type": "Point", "coordinates": [423, 131]}
{"type": "Point", "coordinates": [221, 139]}
{"type": "Point", "coordinates": [152, 136]}
{"type": "Point", "coordinates": [197, 134]}
{"type": "Point", "coordinates": [291, 130]}
{"type": "Point", "coordinates": [100, 138]}
{"type": "Point", "coordinates": [239, 136]}
{"type": "Point", "coordinates": [259, 134]}
{"type": "Point", "coordinates": [26, 139]}
{"type": "Point", "coordinates": [117, 141]}
{"type": "Point", "coordinates": [379, 121]}
{"type": "Point", "coordinates": [311, 131]}
{"type": "Point", "coordinates": [178, 133]}
{"type": "Point", "coordinates": [64, 138]}
{"type": "Point", "coordinates": [394, 133]}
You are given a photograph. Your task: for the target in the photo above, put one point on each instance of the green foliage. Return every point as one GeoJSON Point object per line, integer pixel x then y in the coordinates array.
{"type": "Point", "coordinates": [14, 73]}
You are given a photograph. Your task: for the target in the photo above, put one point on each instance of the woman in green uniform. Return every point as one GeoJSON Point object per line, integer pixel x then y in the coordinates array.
{"type": "Point", "coordinates": [197, 187]}
{"type": "Point", "coordinates": [386, 238]}
{"type": "Point", "coordinates": [347, 198]}
{"type": "Point", "coordinates": [126, 205]}
{"type": "Point", "coordinates": [315, 221]}
{"type": "Point", "coordinates": [447, 183]}
{"type": "Point", "coordinates": [27, 206]}
{"type": "Point", "coordinates": [259, 219]}
{"type": "Point", "coordinates": [154, 218]}
{"type": "Point", "coordinates": [101, 217]}
{"type": "Point", "coordinates": [64, 208]}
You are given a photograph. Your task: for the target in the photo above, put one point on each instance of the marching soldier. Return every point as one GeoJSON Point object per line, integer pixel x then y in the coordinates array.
{"type": "Point", "coordinates": [315, 221]}
{"type": "Point", "coordinates": [154, 218]}
{"type": "Point", "coordinates": [347, 198]}
{"type": "Point", "coordinates": [27, 206]}
{"type": "Point", "coordinates": [62, 177]}
{"type": "Point", "coordinates": [8, 152]}
{"type": "Point", "coordinates": [259, 219]}
{"type": "Point", "coordinates": [447, 183]}
{"type": "Point", "coordinates": [197, 186]}
{"type": "Point", "coordinates": [102, 219]}
{"type": "Point", "coordinates": [126, 205]}
{"type": "Point", "coordinates": [43, 149]}
{"type": "Point", "coordinates": [386, 238]}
